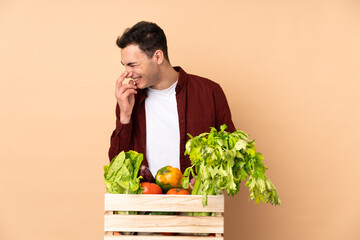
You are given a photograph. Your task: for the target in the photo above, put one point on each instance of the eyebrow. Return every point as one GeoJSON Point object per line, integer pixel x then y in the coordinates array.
{"type": "Point", "coordinates": [128, 64]}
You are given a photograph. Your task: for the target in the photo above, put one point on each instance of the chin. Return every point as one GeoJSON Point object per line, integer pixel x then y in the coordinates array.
{"type": "Point", "coordinates": [141, 86]}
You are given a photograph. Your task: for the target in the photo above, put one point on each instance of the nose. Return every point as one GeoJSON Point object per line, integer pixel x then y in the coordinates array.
{"type": "Point", "coordinates": [128, 69]}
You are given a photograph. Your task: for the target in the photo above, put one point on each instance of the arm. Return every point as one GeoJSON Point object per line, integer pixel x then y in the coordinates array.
{"type": "Point", "coordinates": [223, 114]}
{"type": "Point", "coordinates": [121, 137]}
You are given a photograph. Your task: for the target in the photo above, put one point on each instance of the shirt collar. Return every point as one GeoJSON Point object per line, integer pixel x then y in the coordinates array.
{"type": "Point", "coordinates": [182, 79]}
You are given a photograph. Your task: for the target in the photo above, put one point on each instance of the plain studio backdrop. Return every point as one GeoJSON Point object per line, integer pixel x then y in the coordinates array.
{"type": "Point", "coordinates": [290, 71]}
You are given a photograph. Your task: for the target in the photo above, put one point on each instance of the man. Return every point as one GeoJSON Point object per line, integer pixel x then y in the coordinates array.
{"type": "Point", "coordinates": [161, 104]}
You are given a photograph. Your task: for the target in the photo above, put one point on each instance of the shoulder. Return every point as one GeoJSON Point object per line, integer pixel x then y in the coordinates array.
{"type": "Point", "coordinates": [197, 84]}
{"type": "Point", "coordinates": [202, 81]}
{"type": "Point", "coordinates": [203, 86]}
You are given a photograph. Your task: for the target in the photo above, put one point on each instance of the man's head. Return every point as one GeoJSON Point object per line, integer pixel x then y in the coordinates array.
{"type": "Point", "coordinates": [148, 36]}
{"type": "Point", "coordinates": [144, 55]}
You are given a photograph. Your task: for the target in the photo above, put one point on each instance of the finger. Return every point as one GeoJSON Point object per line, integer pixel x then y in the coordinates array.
{"type": "Point", "coordinates": [132, 82]}
{"type": "Point", "coordinates": [119, 83]}
{"type": "Point", "coordinates": [123, 89]}
{"type": "Point", "coordinates": [130, 74]}
{"type": "Point", "coordinates": [128, 93]}
{"type": "Point", "coordinates": [121, 79]}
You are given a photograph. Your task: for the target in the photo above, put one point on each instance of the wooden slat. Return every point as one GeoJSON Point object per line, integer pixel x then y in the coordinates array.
{"type": "Point", "coordinates": [159, 237]}
{"type": "Point", "coordinates": [162, 223]}
{"type": "Point", "coordinates": [160, 202]}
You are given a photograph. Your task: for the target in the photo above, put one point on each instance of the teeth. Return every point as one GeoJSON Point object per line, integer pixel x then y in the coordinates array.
{"type": "Point", "coordinates": [135, 79]}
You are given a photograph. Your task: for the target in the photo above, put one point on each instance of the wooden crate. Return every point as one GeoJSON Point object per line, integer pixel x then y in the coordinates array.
{"type": "Point", "coordinates": [184, 226]}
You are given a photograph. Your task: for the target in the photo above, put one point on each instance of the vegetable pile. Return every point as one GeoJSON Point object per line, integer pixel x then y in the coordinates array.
{"type": "Point", "coordinates": [222, 160]}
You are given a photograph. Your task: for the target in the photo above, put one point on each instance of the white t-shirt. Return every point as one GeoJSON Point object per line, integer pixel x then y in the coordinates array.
{"type": "Point", "coordinates": [162, 129]}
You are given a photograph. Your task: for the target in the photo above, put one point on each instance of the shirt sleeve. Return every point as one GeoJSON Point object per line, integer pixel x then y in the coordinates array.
{"type": "Point", "coordinates": [223, 114]}
{"type": "Point", "coordinates": [121, 137]}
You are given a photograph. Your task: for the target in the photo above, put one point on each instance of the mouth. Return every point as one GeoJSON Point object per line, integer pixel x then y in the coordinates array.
{"type": "Point", "coordinates": [136, 80]}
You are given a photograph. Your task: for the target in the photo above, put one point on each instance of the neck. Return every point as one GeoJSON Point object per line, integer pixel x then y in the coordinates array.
{"type": "Point", "coordinates": [167, 77]}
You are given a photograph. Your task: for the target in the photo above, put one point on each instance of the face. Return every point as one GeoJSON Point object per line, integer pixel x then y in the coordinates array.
{"type": "Point", "coordinates": [141, 68]}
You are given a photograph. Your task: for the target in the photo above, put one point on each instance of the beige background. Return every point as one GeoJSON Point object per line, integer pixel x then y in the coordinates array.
{"type": "Point", "coordinates": [290, 70]}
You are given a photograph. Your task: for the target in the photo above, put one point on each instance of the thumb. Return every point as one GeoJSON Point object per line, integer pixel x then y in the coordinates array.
{"type": "Point", "coordinates": [131, 82]}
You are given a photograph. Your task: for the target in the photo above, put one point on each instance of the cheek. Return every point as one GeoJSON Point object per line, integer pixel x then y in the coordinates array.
{"type": "Point", "coordinates": [153, 72]}
{"type": "Point", "coordinates": [139, 71]}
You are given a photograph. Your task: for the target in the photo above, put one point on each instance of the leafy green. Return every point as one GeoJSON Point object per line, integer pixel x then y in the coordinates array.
{"type": "Point", "coordinates": [222, 160]}
{"type": "Point", "coordinates": [121, 175]}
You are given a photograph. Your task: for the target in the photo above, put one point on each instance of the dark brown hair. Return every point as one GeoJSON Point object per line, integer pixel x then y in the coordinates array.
{"type": "Point", "coordinates": [147, 35]}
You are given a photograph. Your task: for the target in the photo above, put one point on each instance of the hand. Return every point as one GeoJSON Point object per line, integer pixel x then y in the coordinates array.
{"type": "Point", "coordinates": [192, 182]}
{"type": "Point", "coordinates": [125, 95]}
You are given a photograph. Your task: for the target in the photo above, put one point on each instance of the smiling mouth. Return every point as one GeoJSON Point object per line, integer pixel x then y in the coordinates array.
{"type": "Point", "coordinates": [136, 80]}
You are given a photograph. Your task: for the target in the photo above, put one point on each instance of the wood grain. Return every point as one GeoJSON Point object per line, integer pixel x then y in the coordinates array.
{"type": "Point", "coordinates": [160, 202]}
{"type": "Point", "coordinates": [164, 223]}
{"type": "Point", "coordinates": [154, 224]}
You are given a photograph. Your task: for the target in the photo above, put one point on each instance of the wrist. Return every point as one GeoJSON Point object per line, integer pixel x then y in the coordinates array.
{"type": "Point", "coordinates": [125, 119]}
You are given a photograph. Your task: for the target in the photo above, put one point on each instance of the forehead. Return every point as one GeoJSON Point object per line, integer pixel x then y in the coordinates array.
{"type": "Point", "coordinates": [132, 53]}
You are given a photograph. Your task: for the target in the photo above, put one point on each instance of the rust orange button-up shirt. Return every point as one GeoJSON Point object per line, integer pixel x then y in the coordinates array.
{"type": "Point", "coordinates": [201, 104]}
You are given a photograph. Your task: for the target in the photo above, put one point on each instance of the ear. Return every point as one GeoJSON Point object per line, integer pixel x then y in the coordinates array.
{"type": "Point", "coordinates": [159, 56]}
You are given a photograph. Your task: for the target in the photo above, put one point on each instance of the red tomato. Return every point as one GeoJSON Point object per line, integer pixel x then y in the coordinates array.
{"type": "Point", "coordinates": [151, 188]}
{"type": "Point", "coordinates": [178, 191]}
